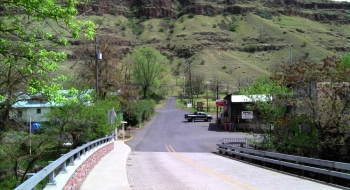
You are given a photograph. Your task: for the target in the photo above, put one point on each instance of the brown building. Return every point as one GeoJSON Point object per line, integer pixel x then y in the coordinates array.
{"type": "Point", "coordinates": [236, 115]}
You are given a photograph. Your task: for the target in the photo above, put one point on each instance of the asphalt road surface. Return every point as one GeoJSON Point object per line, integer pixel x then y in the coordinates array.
{"type": "Point", "coordinates": [172, 153]}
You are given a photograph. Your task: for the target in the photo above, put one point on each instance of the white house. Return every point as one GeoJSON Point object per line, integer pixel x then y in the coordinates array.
{"type": "Point", "coordinates": [31, 110]}
{"type": "Point", "coordinates": [35, 111]}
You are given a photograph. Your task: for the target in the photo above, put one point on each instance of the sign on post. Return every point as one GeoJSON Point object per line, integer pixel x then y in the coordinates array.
{"type": "Point", "coordinates": [247, 114]}
{"type": "Point", "coordinates": [111, 116]}
{"type": "Point", "coordinates": [221, 102]}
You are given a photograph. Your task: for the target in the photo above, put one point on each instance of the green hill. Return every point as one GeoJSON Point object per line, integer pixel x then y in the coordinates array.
{"type": "Point", "coordinates": [223, 44]}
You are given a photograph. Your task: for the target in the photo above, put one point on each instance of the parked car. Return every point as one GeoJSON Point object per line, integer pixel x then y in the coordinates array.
{"type": "Point", "coordinates": [199, 116]}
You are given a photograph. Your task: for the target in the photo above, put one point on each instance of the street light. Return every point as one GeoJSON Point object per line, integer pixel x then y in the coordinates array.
{"type": "Point", "coordinates": [98, 56]}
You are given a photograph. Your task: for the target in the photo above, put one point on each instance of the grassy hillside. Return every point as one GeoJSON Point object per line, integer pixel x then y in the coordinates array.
{"type": "Point", "coordinates": [229, 47]}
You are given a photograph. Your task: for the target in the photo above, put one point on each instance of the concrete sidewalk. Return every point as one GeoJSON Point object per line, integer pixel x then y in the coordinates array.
{"type": "Point", "coordinates": [110, 172]}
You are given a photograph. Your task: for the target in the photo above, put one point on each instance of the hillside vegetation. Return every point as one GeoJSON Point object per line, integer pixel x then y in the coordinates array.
{"type": "Point", "coordinates": [223, 45]}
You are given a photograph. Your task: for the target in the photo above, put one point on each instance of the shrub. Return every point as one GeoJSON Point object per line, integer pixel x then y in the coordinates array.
{"type": "Point", "coordinates": [304, 44]}
{"type": "Point", "coordinates": [161, 29]}
{"type": "Point", "coordinates": [233, 28]}
{"type": "Point", "coordinates": [138, 112]}
{"type": "Point", "coordinates": [190, 15]}
{"type": "Point", "coordinates": [261, 39]}
{"type": "Point", "coordinates": [181, 19]}
{"type": "Point", "coordinates": [136, 27]}
{"type": "Point", "coordinates": [265, 14]}
{"type": "Point", "coordinates": [226, 13]}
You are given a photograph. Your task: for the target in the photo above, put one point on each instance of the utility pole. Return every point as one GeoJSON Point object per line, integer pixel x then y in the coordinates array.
{"type": "Point", "coordinates": [98, 55]}
{"type": "Point", "coordinates": [191, 93]}
{"type": "Point", "coordinates": [206, 89]}
{"type": "Point", "coordinates": [185, 84]}
{"type": "Point", "coordinates": [291, 55]}
{"type": "Point", "coordinates": [217, 108]}
{"type": "Point", "coordinates": [96, 65]}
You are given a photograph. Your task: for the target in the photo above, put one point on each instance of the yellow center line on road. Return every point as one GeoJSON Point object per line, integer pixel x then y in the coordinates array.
{"type": "Point", "coordinates": [238, 184]}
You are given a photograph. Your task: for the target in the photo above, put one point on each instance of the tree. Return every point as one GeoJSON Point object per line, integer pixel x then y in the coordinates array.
{"type": "Point", "coordinates": [78, 123]}
{"type": "Point", "coordinates": [22, 151]}
{"type": "Point", "coordinates": [108, 67]}
{"type": "Point", "coordinates": [269, 98]}
{"type": "Point", "coordinates": [149, 66]}
{"type": "Point", "coordinates": [198, 83]}
{"type": "Point", "coordinates": [31, 34]}
{"type": "Point", "coordinates": [321, 98]}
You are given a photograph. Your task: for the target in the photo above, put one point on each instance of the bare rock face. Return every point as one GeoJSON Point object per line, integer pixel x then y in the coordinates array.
{"type": "Point", "coordinates": [171, 8]}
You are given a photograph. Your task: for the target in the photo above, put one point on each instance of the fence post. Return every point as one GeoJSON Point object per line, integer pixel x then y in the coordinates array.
{"type": "Point", "coordinates": [78, 155]}
{"type": "Point", "coordinates": [63, 166]}
{"type": "Point", "coordinates": [51, 176]}
{"type": "Point", "coordinates": [71, 160]}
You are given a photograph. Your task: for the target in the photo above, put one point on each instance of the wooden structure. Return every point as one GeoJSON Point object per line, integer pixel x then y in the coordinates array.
{"type": "Point", "coordinates": [235, 112]}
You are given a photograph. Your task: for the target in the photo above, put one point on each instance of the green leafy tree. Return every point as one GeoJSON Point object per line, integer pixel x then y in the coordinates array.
{"type": "Point", "coordinates": [78, 122]}
{"type": "Point", "coordinates": [197, 83]}
{"type": "Point", "coordinates": [269, 98]}
{"type": "Point", "coordinates": [31, 35]}
{"type": "Point", "coordinates": [274, 96]}
{"type": "Point", "coordinates": [148, 67]}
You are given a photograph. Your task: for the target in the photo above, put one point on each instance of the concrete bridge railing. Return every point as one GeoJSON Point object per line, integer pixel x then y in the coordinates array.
{"type": "Point", "coordinates": [71, 169]}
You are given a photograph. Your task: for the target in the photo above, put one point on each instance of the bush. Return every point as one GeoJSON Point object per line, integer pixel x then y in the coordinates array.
{"type": "Point", "coordinates": [136, 27]}
{"type": "Point", "coordinates": [304, 44]}
{"type": "Point", "coordinates": [233, 28]}
{"type": "Point", "coordinates": [265, 14]}
{"type": "Point", "coordinates": [226, 13]}
{"type": "Point", "coordinates": [139, 111]}
{"type": "Point", "coordinates": [181, 19]}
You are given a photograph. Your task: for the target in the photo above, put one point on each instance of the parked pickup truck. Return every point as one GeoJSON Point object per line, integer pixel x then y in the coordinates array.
{"type": "Point", "coordinates": [198, 116]}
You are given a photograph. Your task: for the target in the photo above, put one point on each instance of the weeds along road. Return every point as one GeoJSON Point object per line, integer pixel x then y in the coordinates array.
{"type": "Point", "coordinates": [172, 153]}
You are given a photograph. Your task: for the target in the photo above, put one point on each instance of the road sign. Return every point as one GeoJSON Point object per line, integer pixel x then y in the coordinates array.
{"type": "Point", "coordinates": [111, 116]}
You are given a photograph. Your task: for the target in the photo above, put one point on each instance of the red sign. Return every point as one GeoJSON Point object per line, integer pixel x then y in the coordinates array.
{"type": "Point", "coordinates": [220, 102]}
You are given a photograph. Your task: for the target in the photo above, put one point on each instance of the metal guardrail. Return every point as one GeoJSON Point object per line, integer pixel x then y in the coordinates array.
{"type": "Point", "coordinates": [60, 163]}
{"type": "Point", "coordinates": [329, 168]}
{"type": "Point", "coordinates": [235, 142]}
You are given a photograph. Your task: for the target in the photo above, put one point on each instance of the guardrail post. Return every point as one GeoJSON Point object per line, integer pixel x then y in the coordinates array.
{"type": "Point", "coordinates": [71, 160]}
{"type": "Point", "coordinates": [78, 155]}
{"type": "Point", "coordinates": [29, 175]}
{"type": "Point", "coordinates": [52, 176]}
{"type": "Point", "coordinates": [63, 166]}
{"type": "Point", "coordinates": [83, 153]}
{"type": "Point", "coordinates": [88, 148]}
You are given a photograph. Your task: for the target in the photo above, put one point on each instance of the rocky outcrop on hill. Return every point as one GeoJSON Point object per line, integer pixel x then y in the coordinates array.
{"type": "Point", "coordinates": [171, 8]}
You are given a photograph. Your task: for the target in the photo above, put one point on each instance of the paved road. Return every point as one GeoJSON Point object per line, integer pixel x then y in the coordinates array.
{"type": "Point", "coordinates": [171, 153]}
